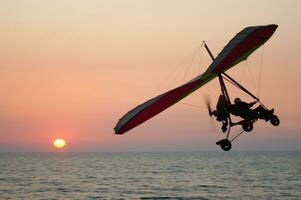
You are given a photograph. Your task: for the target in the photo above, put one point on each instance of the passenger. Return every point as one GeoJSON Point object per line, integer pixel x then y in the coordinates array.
{"type": "Point", "coordinates": [243, 109]}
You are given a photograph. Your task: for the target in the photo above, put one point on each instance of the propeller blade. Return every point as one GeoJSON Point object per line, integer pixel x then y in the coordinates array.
{"type": "Point", "coordinates": [208, 104]}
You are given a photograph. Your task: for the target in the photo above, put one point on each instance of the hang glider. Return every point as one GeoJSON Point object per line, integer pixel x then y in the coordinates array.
{"type": "Point", "coordinates": [238, 49]}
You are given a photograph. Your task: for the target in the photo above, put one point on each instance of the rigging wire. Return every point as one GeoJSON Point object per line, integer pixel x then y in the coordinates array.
{"type": "Point", "coordinates": [201, 58]}
{"type": "Point", "coordinates": [260, 73]}
{"type": "Point", "coordinates": [191, 61]}
{"type": "Point", "coordinates": [173, 74]}
{"type": "Point", "coordinates": [192, 105]}
{"type": "Point", "coordinates": [241, 78]}
{"type": "Point", "coordinates": [251, 76]}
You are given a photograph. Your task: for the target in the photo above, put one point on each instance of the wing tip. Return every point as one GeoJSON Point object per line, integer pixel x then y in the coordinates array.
{"type": "Point", "coordinates": [119, 131]}
{"type": "Point", "coordinates": [116, 131]}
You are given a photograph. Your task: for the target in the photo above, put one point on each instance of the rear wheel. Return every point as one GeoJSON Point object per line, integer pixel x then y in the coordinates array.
{"type": "Point", "coordinates": [275, 120]}
{"type": "Point", "coordinates": [248, 126]}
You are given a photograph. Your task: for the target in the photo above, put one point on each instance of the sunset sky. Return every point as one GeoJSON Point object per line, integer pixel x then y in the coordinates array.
{"type": "Point", "coordinates": [70, 69]}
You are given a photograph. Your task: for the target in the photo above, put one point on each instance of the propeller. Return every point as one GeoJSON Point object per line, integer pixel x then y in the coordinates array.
{"type": "Point", "coordinates": [208, 104]}
{"type": "Point", "coordinates": [211, 125]}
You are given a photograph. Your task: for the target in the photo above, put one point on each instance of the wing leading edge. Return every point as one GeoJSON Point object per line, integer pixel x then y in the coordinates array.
{"type": "Point", "coordinates": [237, 50]}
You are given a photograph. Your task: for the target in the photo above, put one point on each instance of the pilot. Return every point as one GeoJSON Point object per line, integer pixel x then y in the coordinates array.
{"type": "Point", "coordinates": [221, 113]}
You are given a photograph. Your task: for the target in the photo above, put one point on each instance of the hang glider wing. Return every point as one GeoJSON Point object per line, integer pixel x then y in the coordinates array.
{"type": "Point", "coordinates": [237, 50]}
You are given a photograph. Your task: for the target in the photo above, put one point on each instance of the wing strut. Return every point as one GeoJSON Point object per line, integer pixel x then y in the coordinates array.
{"type": "Point", "coordinates": [208, 50]}
{"type": "Point", "coordinates": [220, 78]}
{"type": "Point", "coordinates": [223, 89]}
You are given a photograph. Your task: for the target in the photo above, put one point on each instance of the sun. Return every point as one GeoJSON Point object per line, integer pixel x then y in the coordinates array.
{"type": "Point", "coordinates": [59, 143]}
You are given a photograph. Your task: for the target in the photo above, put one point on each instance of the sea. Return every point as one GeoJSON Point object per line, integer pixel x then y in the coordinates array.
{"type": "Point", "coordinates": [151, 175]}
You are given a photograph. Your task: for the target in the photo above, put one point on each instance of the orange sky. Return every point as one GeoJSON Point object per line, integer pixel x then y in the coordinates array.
{"type": "Point", "coordinates": [71, 69]}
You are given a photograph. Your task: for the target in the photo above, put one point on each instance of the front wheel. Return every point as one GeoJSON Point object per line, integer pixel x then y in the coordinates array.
{"type": "Point", "coordinates": [225, 144]}
{"type": "Point", "coordinates": [275, 121]}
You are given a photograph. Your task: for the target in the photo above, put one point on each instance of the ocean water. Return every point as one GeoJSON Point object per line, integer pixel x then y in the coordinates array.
{"type": "Point", "coordinates": [181, 175]}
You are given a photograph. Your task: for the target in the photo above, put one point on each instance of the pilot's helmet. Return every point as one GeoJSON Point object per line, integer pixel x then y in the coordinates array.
{"type": "Point", "coordinates": [237, 100]}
